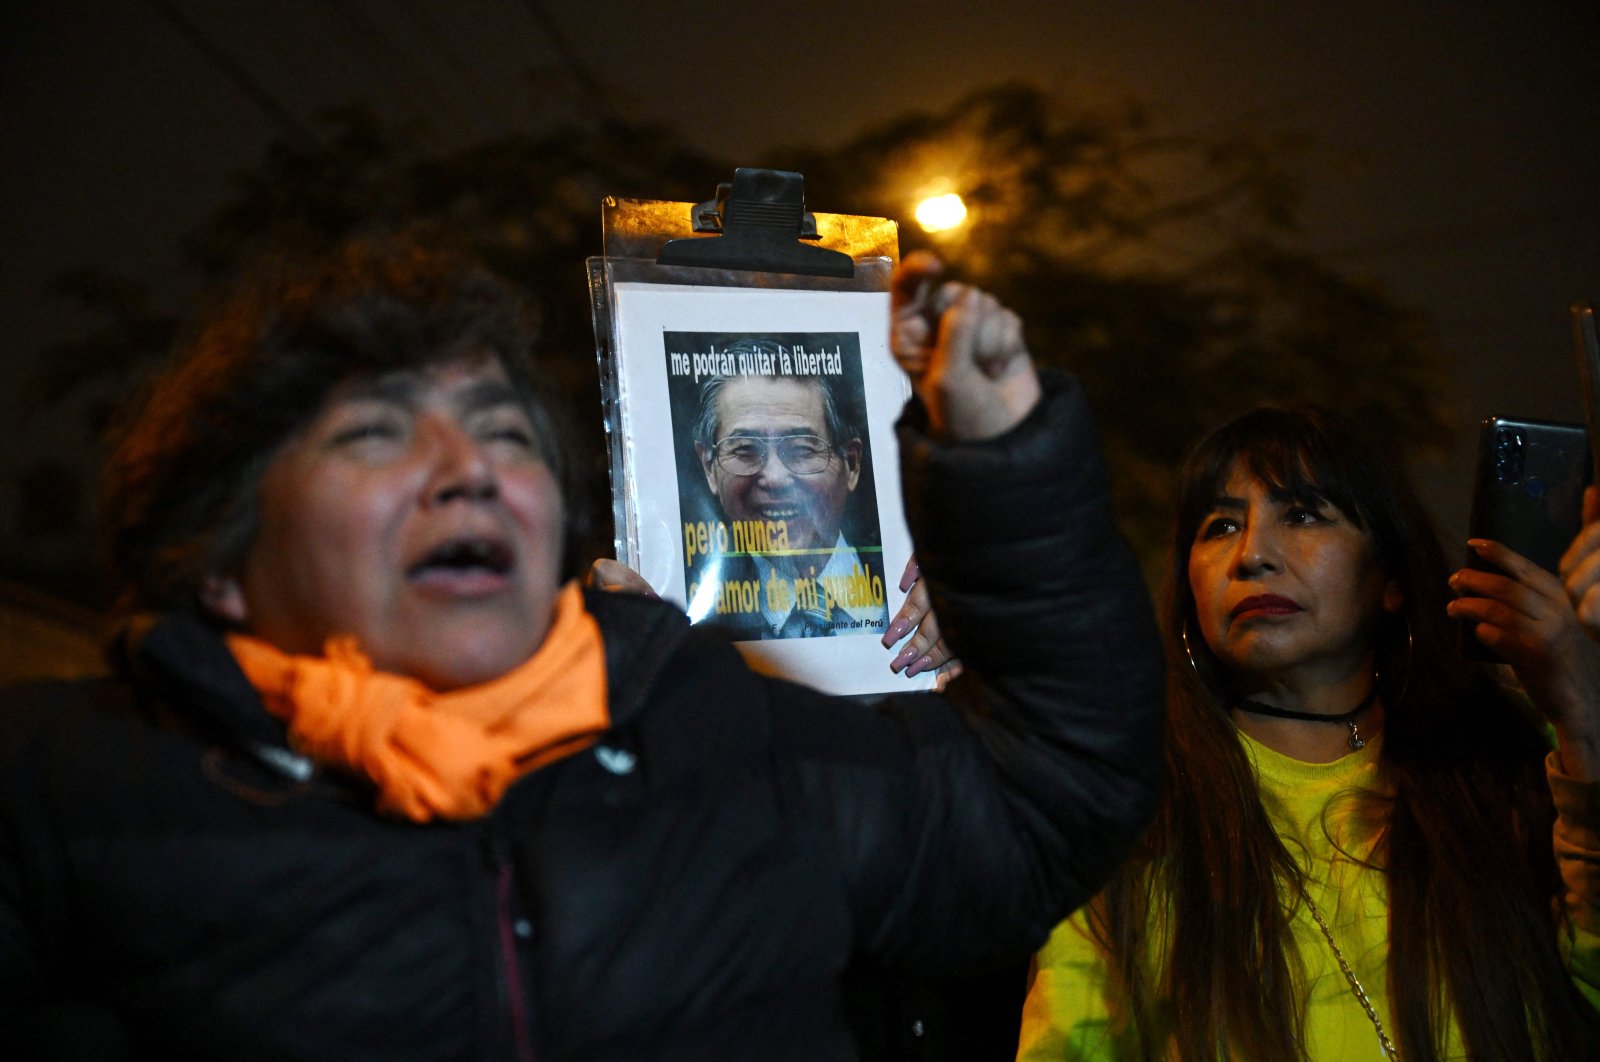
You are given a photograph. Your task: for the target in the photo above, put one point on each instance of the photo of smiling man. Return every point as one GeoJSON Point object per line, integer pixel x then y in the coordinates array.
{"type": "Point", "coordinates": [781, 526]}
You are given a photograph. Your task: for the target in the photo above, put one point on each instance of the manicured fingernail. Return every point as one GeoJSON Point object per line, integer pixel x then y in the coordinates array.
{"type": "Point", "coordinates": [912, 574]}
{"type": "Point", "coordinates": [897, 630]}
{"type": "Point", "coordinates": [924, 663]}
{"type": "Point", "coordinates": [904, 657]}
{"type": "Point", "coordinates": [1478, 545]}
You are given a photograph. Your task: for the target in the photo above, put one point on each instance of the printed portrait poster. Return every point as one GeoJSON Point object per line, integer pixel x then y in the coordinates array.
{"type": "Point", "coordinates": [763, 472]}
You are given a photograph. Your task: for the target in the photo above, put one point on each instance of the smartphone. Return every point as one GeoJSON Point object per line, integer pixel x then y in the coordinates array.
{"type": "Point", "coordinates": [1527, 491]}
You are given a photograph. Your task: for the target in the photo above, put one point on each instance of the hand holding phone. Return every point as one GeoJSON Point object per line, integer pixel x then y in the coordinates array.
{"type": "Point", "coordinates": [1527, 495]}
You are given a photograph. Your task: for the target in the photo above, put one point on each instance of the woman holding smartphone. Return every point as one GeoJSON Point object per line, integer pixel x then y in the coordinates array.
{"type": "Point", "coordinates": [1364, 849]}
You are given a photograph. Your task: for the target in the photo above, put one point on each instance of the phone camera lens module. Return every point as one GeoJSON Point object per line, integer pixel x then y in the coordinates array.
{"type": "Point", "coordinates": [1508, 455]}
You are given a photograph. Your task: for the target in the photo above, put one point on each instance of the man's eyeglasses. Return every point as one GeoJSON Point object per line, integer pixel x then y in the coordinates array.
{"type": "Point", "coordinates": [746, 455]}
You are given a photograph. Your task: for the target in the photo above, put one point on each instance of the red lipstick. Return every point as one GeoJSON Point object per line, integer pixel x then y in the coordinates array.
{"type": "Point", "coordinates": [1264, 605]}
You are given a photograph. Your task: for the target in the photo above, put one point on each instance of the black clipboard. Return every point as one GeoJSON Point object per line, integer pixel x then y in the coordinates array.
{"type": "Point", "coordinates": [750, 284]}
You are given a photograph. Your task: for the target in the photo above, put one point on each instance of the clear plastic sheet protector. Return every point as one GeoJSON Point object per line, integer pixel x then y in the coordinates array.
{"type": "Point", "coordinates": [758, 553]}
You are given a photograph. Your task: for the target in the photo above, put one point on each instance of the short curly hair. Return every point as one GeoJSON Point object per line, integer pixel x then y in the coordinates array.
{"type": "Point", "coordinates": [183, 477]}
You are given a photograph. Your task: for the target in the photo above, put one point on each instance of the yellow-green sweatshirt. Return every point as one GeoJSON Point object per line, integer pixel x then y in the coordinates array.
{"type": "Point", "coordinates": [1310, 805]}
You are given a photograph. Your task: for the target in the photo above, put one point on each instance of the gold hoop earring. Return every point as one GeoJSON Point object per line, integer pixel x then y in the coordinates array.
{"type": "Point", "coordinates": [1411, 648]}
{"type": "Point", "coordinates": [1183, 633]}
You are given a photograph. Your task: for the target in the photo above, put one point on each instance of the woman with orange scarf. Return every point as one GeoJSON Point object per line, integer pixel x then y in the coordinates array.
{"type": "Point", "coordinates": [376, 779]}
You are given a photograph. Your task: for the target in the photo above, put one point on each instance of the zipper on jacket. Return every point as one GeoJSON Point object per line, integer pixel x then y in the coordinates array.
{"type": "Point", "coordinates": [510, 962]}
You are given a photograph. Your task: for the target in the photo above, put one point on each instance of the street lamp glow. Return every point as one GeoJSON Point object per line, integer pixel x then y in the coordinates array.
{"type": "Point", "coordinates": [939, 213]}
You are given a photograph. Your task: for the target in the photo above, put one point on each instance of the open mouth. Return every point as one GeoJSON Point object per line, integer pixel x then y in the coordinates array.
{"type": "Point", "coordinates": [463, 558]}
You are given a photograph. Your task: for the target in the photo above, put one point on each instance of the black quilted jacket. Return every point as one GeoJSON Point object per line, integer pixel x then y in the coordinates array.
{"type": "Point", "coordinates": [689, 888]}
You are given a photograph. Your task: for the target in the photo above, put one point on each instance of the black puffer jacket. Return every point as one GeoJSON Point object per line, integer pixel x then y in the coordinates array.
{"type": "Point", "coordinates": [689, 888]}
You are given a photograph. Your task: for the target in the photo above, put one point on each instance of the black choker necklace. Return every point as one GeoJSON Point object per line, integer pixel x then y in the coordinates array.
{"type": "Point", "coordinates": [1342, 719]}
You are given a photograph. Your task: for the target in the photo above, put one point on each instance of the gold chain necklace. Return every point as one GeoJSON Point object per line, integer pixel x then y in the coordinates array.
{"type": "Point", "coordinates": [1384, 1044]}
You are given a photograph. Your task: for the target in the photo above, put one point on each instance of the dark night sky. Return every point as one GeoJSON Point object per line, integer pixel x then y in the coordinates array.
{"type": "Point", "coordinates": [1460, 165]}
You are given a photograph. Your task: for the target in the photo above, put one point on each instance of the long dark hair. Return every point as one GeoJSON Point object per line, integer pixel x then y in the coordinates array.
{"type": "Point", "coordinates": [1466, 850]}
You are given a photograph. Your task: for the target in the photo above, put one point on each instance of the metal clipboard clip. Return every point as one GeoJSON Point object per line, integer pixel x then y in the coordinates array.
{"type": "Point", "coordinates": [761, 217]}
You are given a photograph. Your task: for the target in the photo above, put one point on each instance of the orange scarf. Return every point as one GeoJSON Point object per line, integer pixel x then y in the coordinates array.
{"type": "Point", "coordinates": [438, 755]}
